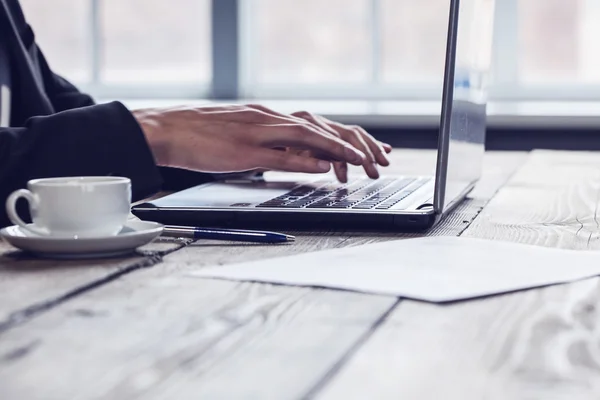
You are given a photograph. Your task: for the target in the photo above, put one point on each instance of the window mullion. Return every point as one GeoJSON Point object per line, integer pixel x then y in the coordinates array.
{"type": "Point", "coordinates": [376, 30]}
{"type": "Point", "coordinates": [505, 67]}
{"type": "Point", "coordinates": [225, 49]}
{"type": "Point", "coordinates": [95, 38]}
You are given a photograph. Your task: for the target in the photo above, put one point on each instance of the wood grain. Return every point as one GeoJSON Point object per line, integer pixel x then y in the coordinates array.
{"type": "Point", "coordinates": [552, 201]}
{"type": "Point", "coordinates": [29, 285]}
{"type": "Point", "coordinates": [539, 344]}
{"type": "Point", "coordinates": [158, 333]}
{"type": "Point", "coordinates": [133, 342]}
{"type": "Point", "coordinates": [536, 344]}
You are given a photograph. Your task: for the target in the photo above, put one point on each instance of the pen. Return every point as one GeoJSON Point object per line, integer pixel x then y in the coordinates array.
{"type": "Point", "coordinates": [226, 234]}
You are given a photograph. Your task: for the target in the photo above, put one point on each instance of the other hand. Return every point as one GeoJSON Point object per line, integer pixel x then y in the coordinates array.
{"type": "Point", "coordinates": [238, 138]}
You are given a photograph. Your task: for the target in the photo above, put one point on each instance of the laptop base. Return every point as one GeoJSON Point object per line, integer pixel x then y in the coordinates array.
{"type": "Point", "coordinates": [285, 220]}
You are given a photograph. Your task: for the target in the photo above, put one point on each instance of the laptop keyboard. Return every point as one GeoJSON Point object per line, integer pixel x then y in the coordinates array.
{"type": "Point", "coordinates": [364, 194]}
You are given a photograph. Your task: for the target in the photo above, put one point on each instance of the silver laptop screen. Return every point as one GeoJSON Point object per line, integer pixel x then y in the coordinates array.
{"type": "Point", "coordinates": [463, 122]}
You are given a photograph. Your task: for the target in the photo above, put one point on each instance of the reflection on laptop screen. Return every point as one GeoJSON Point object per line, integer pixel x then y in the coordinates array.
{"type": "Point", "coordinates": [467, 120]}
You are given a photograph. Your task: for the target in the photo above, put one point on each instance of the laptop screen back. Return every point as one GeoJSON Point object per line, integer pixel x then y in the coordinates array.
{"type": "Point", "coordinates": [463, 120]}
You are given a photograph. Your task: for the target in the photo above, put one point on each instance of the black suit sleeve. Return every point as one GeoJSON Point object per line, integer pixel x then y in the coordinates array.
{"type": "Point", "coordinates": [93, 140]}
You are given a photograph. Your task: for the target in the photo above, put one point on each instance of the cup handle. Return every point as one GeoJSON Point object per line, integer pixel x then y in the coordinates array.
{"type": "Point", "coordinates": [11, 209]}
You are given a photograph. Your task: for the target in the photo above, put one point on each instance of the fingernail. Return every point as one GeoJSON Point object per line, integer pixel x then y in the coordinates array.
{"type": "Point", "coordinates": [324, 166]}
{"type": "Point", "coordinates": [354, 155]}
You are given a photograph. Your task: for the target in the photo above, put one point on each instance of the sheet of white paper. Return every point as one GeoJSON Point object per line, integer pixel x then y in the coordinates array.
{"type": "Point", "coordinates": [436, 269]}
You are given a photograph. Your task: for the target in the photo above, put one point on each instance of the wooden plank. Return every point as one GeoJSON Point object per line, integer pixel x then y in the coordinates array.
{"type": "Point", "coordinates": [536, 344]}
{"type": "Point", "coordinates": [155, 322]}
{"type": "Point", "coordinates": [29, 285]}
{"type": "Point", "coordinates": [173, 338]}
{"type": "Point", "coordinates": [160, 334]}
{"type": "Point", "coordinates": [552, 201]}
{"type": "Point", "coordinates": [539, 344]}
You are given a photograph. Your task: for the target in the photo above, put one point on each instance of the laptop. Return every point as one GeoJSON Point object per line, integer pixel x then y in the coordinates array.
{"type": "Point", "coordinates": [402, 203]}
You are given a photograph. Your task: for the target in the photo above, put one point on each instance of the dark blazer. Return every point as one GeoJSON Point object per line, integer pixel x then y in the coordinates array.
{"type": "Point", "coordinates": [55, 130]}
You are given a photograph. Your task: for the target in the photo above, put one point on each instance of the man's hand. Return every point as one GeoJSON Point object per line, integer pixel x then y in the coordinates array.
{"type": "Point", "coordinates": [243, 138]}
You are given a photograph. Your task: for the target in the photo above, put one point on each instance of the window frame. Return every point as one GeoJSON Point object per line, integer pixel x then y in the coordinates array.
{"type": "Point", "coordinates": [100, 89]}
{"type": "Point", "coordinates": [233, 67]}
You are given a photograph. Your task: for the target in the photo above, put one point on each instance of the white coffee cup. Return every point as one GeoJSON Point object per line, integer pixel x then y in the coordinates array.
{"type": "Point", "coordinates": [78, 207]}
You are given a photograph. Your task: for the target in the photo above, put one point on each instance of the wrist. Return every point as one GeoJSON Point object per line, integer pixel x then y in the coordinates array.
{"type": "Point", "coordinates": [149, 122]}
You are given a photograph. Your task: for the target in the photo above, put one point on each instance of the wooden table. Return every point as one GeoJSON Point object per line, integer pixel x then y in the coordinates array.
{"type": "Point", "coordinates": [139, 328]}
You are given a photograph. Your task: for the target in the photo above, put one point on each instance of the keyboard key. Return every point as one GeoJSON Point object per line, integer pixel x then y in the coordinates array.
{"type": "Point", "coordinates": [364, 194]}
{"type": "Point", "coordinates": [271, 203]}
{"type": "Point", "coordinates": [353, 199]}
{"type": "Point", "coordinates": [395, 200]}
{"type": "Point", "coordinates": [370, 203]}
{"type": "Point", "coordinates": [298, 204]}
{"type": "Point", "coordinates": [389, 197]}
{"type": "Point", "coordinates": [342, 203]}
{"type": "Point", "coordinates": [363, 206]}
{"type": "Point", "coordinates": [301, 191]}
{"type": "Point", "coordinates": [320, 204]}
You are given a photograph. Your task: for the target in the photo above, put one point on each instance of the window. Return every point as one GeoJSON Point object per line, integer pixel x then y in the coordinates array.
{"type": "Point", "coordinates": [360, 48]}
{"type": "Point", "coordinates": [155, 41]}
{"type": "Point", "coordinates": [65, 44]}
{"type": "Point", "coordinates": [557, 41]}
{"type": "Point", "coordinates": [334, 49]}
{"type": "Point", "coordinates": [414, 40]}
{"type": "Point", "coordinates": [544, 49]}
{"type": "Point", "coordinates": [127, 47]}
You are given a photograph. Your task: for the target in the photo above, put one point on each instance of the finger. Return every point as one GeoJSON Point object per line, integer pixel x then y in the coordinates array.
{"type": "Point", "coordinates": [341, 171]}
{"type": "Point", "coordinates": [387, 147]}
{"type": "Point", "coordinates": [316, 120]}
{"type": "Point", "coordinates": [354, 136]}
{"type": "Point", "coordinates": [284, 161]}
{"type": "Point", "coordinates": [305, 136]}
{"type": "Point", "coordinates": [305, 116]}
{"type": "Point", "coordinates": [327, 124]}
{"type": "Point", "coordinates": [340, 168]}
{"type": "Point", "coordinates": [370, 164]}
{"type": "Point", "coordinates": [377, 148]}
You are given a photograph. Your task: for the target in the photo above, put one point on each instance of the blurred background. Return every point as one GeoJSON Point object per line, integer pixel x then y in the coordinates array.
{"type": "Point", "coordinates": [545, 51]}
{"type": "Point", "coordinates": [379, 48]}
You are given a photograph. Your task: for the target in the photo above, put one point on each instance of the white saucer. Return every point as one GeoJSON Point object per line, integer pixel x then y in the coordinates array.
{"type": "Point", "coordinates": [136, 233]}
